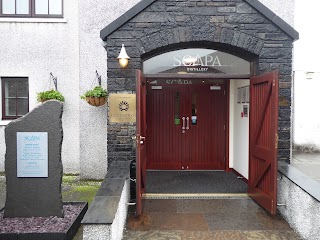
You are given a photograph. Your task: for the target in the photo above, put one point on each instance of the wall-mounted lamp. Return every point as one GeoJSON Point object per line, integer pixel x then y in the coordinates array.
{"type": "Point", "coordinates": [123, 57]}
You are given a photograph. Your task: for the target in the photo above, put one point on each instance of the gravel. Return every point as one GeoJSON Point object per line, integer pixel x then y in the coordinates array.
{"type": "Point", "coordinates": [41, 224]}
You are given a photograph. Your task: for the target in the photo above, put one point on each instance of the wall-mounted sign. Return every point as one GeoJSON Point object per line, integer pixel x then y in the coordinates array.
{"type": "Point", "coordinates": [32, 154]}
{"type": "Point", "coordinates": [245, 110]}
{"type": "Point", "coordinates": [122, 108]}
{"type": "Point", "coordinates": [179, 81]}
{"type": "Point", "coordinates": [243, 94]}
{"type": "Point", "coordinates": [196, 60]}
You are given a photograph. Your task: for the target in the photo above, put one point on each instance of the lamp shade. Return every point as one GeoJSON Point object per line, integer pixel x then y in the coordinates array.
{"type": "Point", "coordinates": [123, 57]}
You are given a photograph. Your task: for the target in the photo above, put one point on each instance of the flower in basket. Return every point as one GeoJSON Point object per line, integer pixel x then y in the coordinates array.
{"type": "Point", "coordinates": [48, 95]}
{"type": "Point", "coordinates": [96, 97]}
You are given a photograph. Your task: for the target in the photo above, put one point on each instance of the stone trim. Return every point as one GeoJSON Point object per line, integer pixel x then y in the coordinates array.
{"type": "Point", "coordinates": [135, 10]}
{"type": "Point", "coordinates": [179, 35]}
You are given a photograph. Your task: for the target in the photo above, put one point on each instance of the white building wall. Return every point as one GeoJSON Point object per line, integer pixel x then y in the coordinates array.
{"type": "Point", "coordinates": [33, 50]}
{"type": "Point", "coordinates": [306, 87]}
{"type": "Point", "coordinates": [72, 50]}
{"type": "Point", "coordinates": [94, 16]}
{"type": "Point", "coordinates": [93, 120]}
{"type": "Point", "coordinates": [239, 131]}
{"type": "Point", "coordinates": [284, 9]}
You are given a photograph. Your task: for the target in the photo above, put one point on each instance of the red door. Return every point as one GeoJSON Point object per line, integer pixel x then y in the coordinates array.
{"type": "Point", "coordinates": [186, 126]}
{"type": "Point", "coordinates": [204, 140]}
{"type": "Point", "coordinates": [262, 184]}
{"type": "Point", "coordinates": [141, 158]}
{"type": "Point", "coordinates": [164, 127]}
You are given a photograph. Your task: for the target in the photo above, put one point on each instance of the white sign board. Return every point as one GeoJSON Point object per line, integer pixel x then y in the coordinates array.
{"type": "Point", "coordinates": [32, 154]}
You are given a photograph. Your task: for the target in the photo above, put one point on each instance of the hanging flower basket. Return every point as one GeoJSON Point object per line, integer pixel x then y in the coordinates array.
{"type": "Point", "coordinates": [51, 94]}
{"type": "Point", "coordinates": [48, 95]}
{"type": "Point", "coordinates": [96, 101]}
{"type": "Point", "coordinates": [96, 97]}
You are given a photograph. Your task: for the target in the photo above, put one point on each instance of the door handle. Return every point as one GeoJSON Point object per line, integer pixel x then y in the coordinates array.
{"type": "Point", "coordinates": [139, 139]}
{"type": "Point", "coordinates": [187, 123]}
{"type": "Point", "coordinates": [142, 139]}
{"type": "Point", "coordinates": [183, 123]}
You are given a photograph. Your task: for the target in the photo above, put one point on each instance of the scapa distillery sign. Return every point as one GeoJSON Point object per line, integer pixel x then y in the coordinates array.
{"type": "Point", "coordinates": [196, 63]}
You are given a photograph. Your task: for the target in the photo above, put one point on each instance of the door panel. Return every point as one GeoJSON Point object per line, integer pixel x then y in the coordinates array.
{"type": "Point", "coordinates": [263, 140]}
{"type": "Point", "coordinates": [201, 144]}
{"type": "Point", "coordinates": [205, 140]}
{"type": "Point", "coordinates": [141, 157]}
{"type": "Point", "coordinates": [164, 133]}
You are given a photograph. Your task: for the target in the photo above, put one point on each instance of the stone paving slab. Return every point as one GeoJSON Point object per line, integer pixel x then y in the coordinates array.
{"type": "Point", "coordinates": [206, 235]}
{"type": "Point", "coordinates": [206, 219]}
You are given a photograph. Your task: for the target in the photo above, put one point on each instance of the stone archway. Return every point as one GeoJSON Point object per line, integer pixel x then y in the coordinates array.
{"type": "Point", "coordinates": [246, 29]}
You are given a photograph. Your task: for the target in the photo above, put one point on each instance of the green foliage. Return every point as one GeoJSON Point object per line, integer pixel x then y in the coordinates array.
{"type": "Point", "coordinates": [51, 94]}
{"type": "Point", "coordinates": [98, 91]}
{"type": "Point", "coordinates": [74, 189]}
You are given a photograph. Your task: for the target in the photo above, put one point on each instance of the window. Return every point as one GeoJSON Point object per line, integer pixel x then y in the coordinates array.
{"type": "Point", "coordinates": [31, 8]}
{"type": "Point", "coordinates": [15, 97]}
{"type": "Point", "coordinates": [196, 60]}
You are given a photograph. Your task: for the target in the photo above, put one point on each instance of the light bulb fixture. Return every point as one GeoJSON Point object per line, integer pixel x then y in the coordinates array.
{"type": "Point", "coordinates": [123, 57]}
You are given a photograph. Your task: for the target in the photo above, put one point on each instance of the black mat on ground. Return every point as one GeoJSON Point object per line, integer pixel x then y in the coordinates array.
{"type": "Point", "coordinates": [194, 182]}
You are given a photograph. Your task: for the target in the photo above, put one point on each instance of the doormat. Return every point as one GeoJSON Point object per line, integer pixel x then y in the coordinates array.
{"type": "Point", "coordinates": [194, 182]}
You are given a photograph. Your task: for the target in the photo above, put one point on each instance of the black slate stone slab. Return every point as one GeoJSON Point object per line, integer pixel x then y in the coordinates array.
{"type": "Point", "coordinates": [28, 196]}
{"type": "Point", "coordinates": [118, 172]}
{"type": "Point", "coordinates": [111, 187]}
{"type": "Point", "coordinates": [300, 179]}
{"type": "Point", "coordinates": [102, 210]}
{"type": "Point", "coordinates": [106, 202]}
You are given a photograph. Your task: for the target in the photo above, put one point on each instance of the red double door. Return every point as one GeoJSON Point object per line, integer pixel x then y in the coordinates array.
{"type": "Point", "coordinates": [186, 126]}
{"type": "Point", "coordinates": [262, 182]}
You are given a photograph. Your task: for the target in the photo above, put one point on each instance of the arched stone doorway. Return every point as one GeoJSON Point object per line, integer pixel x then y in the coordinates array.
{"type": "Point", "coordinates": [243, 28]}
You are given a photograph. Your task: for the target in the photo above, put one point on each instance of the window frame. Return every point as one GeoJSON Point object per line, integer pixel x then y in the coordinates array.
{"type": "Point", "coordinates": [32, 10]}
{"type": "Point", "coordinates": [3, 98]}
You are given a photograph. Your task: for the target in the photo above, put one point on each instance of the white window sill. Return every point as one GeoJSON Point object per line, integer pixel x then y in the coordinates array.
{"type": "Point", "coordinates": [34, 20]}
{"type": "Point", "coordinates": [4, 122]}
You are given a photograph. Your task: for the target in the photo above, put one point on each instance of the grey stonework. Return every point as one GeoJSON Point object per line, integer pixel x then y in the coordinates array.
{"type": "Point", "coordinates": [231, 26]}
{"type": "Point", "coordinates": [35, 197]}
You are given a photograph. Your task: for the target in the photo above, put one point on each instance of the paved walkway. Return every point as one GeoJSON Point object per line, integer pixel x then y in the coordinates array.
{"type": "Point", "coordinates": [206, 219]}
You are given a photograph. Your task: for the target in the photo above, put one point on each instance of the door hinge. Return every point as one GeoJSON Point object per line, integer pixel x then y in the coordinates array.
{"type": "Point", "coordinates": [224, 127]}
{"type": "Point", "coordinates": [277, 140]}
{"type": "Point", "coordinates": [224, 92]}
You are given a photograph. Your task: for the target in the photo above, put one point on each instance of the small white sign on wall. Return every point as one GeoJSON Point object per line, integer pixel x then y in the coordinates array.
{"type": "Point", "coordinates": [32, 154]}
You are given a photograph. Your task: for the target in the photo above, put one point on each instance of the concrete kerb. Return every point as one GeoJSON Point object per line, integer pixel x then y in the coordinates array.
{"type": "Point", "coordinates": [298, 201]}
{"type": "Point", "coordinates": [106, 217]}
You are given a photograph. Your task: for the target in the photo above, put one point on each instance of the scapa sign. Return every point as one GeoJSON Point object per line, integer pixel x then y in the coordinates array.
{"type": "Point", "coordinates": [197, 63]}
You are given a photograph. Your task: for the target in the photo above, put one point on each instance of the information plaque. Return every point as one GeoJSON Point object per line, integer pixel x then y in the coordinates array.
{"type": "Point", "coordinates": [122, 108]}
{"type": "Point", "coordinates": [32, 154]}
